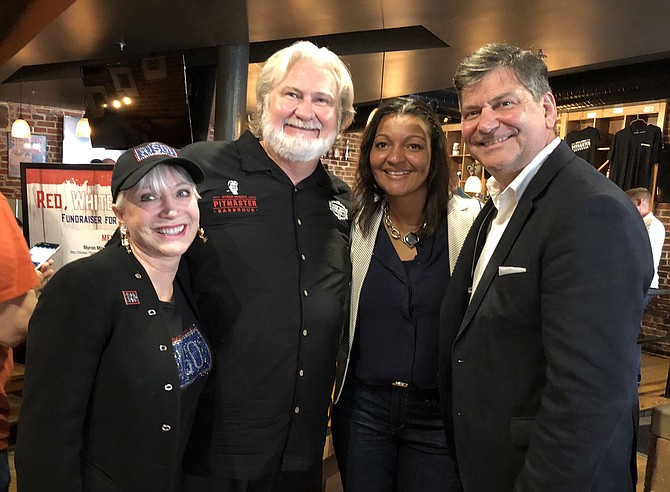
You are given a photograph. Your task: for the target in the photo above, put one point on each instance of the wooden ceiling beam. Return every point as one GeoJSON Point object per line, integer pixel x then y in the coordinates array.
{"type": "Point", "coordinates": [22, 21]}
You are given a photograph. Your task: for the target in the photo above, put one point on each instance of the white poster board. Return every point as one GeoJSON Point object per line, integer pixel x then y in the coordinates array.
{"type": "Point", "coordinates": [68, 204]}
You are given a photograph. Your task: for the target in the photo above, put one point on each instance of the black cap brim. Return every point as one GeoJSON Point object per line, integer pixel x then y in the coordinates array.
{"type": "Point", "coordinates": [196, 173]}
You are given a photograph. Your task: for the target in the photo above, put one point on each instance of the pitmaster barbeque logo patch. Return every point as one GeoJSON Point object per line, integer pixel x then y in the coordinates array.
{"type": "Point", "coordinates": [229, 204]}
{"type": "Point", "coordinates": [338, 209]}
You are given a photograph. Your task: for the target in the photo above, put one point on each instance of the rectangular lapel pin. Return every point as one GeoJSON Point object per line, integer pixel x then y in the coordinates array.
{"type": "Point", "coordinates": [130, 297]}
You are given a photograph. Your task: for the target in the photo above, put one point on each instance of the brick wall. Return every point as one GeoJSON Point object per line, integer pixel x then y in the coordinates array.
{"type": "Point", "coordinates": [43, 120]}
{"type": "Point", "coordinates": [656, 319]}
{"type": "Point", "coordinates": [342, 161]}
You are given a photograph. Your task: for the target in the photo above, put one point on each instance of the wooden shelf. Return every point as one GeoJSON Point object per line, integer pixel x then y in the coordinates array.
{"type": "Point", "coordinates": [608, 120]}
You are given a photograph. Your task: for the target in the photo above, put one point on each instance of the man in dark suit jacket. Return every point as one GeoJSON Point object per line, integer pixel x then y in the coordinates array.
{"type": "Point", "coordinates": [538, 356]}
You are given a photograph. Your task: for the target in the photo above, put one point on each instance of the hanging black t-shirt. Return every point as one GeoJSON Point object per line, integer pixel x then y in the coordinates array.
{"type": "Point", "coordinates": [584, 143]}
{"type": "Point", "coordinates": [633, 153]}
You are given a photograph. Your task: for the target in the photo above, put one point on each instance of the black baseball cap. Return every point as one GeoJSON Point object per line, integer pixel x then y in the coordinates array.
{"type": "Point", "coordinates": [135, 163]}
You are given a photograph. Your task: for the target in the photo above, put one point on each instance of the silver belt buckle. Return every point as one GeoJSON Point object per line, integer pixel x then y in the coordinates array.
{"type": "Point", "coordinates": [399, 384]}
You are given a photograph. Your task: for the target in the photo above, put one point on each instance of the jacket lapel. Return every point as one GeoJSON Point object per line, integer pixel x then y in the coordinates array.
{"type": "Point", "coordinates": [458, 226]}
{"type": "Point", "coordinates": [556, 160]}
{"type": "Point", "coordinates": [457, 296]}
{"type": "Point", "coordinates": [361, 255]}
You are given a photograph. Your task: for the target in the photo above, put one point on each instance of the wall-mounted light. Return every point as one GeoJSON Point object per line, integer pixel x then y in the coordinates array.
{"type": "Point", "coordinates": [20, 127]}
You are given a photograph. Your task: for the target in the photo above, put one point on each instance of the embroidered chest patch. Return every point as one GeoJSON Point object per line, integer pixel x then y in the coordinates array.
{"type": "Point", "coordinates": [227, 204]}
{"type": "Point", "coordinates": [338, 209]}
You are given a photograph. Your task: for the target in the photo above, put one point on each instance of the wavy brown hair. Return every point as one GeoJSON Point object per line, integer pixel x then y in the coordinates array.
{"type": "Point", "coordinates": [369, 197]}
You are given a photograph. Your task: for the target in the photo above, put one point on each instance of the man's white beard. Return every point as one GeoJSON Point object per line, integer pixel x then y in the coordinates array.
{"type": "Point", "coordinates": [295, 148]}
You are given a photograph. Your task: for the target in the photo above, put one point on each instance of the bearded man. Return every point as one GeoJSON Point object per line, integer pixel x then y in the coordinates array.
{"type": "Point", "coordinates": [272, 281]}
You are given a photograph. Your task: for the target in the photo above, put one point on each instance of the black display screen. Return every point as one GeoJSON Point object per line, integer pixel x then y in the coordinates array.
{"type": "Point", "coordinates": [138, 101]}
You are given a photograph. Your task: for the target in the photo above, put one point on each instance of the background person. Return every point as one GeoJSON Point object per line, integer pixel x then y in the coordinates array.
{"type": "Point", "coordinates": [655, 229]}
{"type": "Point", "coordinates": [538, 354]}
{"type": "Point", "coordinates": [19, 284]}
{"type": "Point", "coordinates": [273, 280]}
{"type": "Point", "coordinates": [387, 423]}
{"type": "Point", "coordinates": [116, 357]}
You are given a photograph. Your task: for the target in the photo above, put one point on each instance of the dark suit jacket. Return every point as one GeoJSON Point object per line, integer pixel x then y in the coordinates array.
{"type": "Point", "coordinates": [538, 372]}
{"type": "Point", "coordinates": [101, 398]}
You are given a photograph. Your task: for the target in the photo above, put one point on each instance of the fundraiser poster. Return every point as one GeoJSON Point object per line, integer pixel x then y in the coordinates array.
{"type": "Point", "coordinates": [68, 204]}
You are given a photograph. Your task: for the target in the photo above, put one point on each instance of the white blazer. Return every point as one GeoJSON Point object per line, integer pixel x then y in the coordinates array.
{"type": "Point", "coordinates": [461, 213]}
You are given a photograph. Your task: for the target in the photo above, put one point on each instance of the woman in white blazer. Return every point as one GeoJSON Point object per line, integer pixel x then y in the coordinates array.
{"type": "Point", "coordinates": [387, 423]}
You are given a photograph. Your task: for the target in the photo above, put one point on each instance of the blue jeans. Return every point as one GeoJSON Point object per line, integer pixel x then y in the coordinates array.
{"type": "Point", "coordinates": [391, 439]}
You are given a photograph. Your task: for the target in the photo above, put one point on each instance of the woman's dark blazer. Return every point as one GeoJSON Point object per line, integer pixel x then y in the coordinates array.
{"type": "Point", "coordinates": [101, 398]}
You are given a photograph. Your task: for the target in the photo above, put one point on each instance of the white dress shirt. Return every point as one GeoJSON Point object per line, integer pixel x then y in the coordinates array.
{"type": "Point", "coordinates": [505, 201]}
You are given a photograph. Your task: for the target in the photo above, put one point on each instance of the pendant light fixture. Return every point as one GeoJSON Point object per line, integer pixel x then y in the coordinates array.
{"type": "Point", "coordinates": [474, 183]}
{"type": "Point", "coordinates": [83, 129]}
{"type": "Point", "coordinates": [20, 127]}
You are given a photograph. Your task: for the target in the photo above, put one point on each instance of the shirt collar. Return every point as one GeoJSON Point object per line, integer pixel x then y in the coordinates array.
{"type": "Point", "coordinates": [648, 219]}
{"type": "Point", "coordinates": [518, 186]}
{"type": "Point", "coordinates": [255, 159]}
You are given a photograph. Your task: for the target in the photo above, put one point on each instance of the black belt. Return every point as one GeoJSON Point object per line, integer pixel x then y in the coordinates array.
{"type": "Point", "coordinates": [423, 392]}
{"type": "Point", "coordinates": [428, 393]}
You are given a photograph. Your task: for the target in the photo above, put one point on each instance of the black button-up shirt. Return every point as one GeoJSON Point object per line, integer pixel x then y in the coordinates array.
{"type": "Point", "coordinates": [271, 283]}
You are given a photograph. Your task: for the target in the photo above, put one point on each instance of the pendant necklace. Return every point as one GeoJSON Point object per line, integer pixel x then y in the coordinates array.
{"type": "Point", "coordinates": [411, 239]}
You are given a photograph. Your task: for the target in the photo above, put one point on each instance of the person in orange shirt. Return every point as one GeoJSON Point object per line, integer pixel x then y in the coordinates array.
{"type": "Point", "coordinates": [19, 284]}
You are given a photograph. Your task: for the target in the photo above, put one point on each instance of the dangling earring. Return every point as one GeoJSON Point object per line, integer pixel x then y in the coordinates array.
{"type": "Point", "coordinates": [201, 234]}
{"type": "Point", "coordinates": [124, 238]}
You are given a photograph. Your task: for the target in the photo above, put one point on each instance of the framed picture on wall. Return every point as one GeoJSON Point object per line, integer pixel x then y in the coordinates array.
{"type": "Point", "coordinates": [31, 149]}
{"type": "Point", "coordinates": [124, 81]}
{"type": "Point", "coordinates": [96, 98]}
